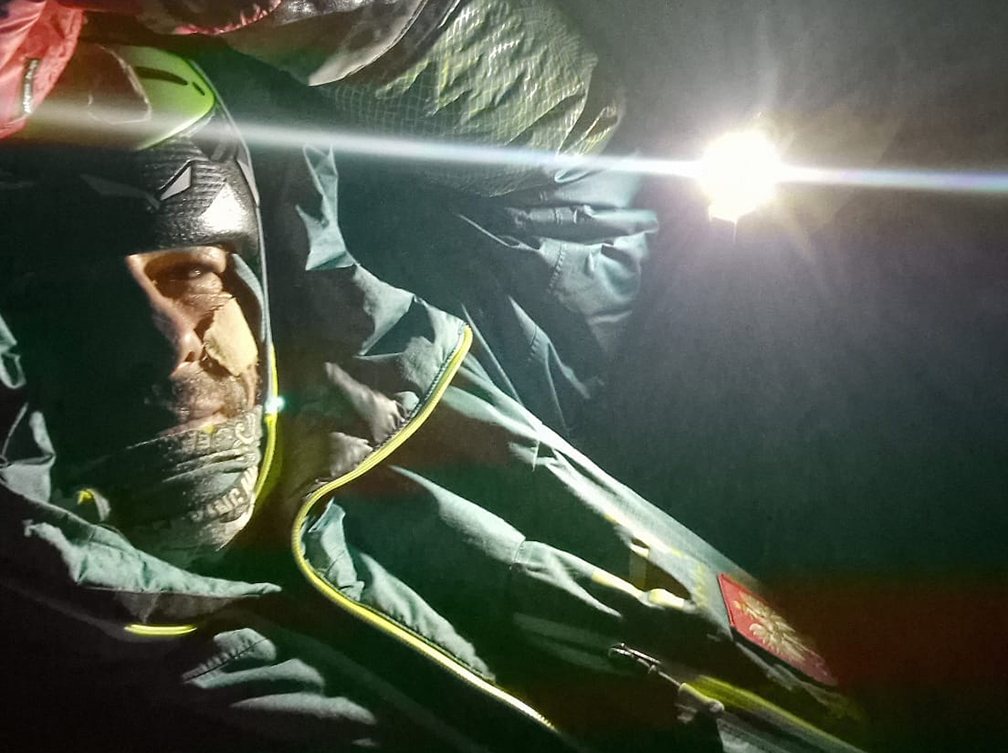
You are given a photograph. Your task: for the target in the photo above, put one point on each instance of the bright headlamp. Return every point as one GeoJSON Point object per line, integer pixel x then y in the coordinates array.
{"type": "Point", "coordinates": [739, 172]}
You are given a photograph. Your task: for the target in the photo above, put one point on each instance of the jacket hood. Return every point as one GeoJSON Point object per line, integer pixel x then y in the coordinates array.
{"type": "Point", "coordinates": [360, 358]}
{"type": "Point", "coordinates": [133, 151]}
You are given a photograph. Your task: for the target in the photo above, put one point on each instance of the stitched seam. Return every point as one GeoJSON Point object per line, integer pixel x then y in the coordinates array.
{"type": "Point", "coordinates": [555, 276]}
{"type": "Point", "coordinates": [227, 658]}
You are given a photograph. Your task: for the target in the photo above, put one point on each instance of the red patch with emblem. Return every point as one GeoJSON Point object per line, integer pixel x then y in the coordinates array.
{"type": "Point", "coordinates": [757, 622]}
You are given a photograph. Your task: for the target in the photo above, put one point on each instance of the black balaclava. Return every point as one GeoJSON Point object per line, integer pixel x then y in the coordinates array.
{"type": "Point", "coordinates": [132, 152]}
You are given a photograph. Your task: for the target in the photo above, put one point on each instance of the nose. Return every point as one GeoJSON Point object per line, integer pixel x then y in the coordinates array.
{"type": "Point", "coordinates": [178, 330]}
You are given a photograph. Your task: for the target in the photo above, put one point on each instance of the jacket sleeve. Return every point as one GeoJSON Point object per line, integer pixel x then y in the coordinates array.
{"type": "Point", "coordinates": [36, 40]}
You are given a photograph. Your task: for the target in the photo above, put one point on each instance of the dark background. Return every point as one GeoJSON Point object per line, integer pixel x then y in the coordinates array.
{"type": "Point", "coordinates": [822, 392]}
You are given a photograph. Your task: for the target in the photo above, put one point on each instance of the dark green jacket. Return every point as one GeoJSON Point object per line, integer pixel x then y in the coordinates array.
{"type": "Point", "coordinates": [456, 575]}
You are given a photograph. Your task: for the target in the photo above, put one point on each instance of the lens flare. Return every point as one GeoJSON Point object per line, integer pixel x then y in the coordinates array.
{"type": "Point", "coordinates": [739, 173]}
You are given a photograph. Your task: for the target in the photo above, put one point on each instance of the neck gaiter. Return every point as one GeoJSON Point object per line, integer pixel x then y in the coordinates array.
{"type": "Point", "coordinates": [182, 497]}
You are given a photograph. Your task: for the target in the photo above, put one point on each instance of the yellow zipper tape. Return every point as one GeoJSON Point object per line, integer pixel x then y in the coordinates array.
{"type": "Point", "coordinates": [371, 616]}
{"type": "Point", "coordinates": [266, 480]}
{"type": "Point", "coordinates": [393, 443]}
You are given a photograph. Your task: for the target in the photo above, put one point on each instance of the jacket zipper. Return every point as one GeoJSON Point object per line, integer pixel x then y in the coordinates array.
{"type": "Point", "coordinates": [267, 480]}
{"type": "Point", "coordinates": [368, 615]}
{"type": "Point", "coordinates": [371, 616]}
{"type": "Point", "coordinates": [746, 705]}
{"type": "Point", "coordinates": [688, 698]}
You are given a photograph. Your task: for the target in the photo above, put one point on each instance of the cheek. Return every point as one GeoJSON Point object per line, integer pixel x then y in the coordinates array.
{"type": "Point", "coordinates": [229, 341]}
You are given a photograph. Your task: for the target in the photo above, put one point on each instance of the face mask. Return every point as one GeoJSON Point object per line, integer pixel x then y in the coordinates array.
{"type": "Point", "coordinates": [182, 497]}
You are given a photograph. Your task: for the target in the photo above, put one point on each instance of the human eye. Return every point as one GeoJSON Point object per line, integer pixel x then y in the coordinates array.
{"type": "Point", "coordinates": [189, 279]}
{"type": "Point", "coordinates": [190, 272]}
{"type": "Point", "coordinates": [188, 275]}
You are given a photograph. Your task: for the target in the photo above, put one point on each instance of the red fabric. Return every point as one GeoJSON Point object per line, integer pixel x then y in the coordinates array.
{"type": "Point", "coordinates": [42, 31]}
